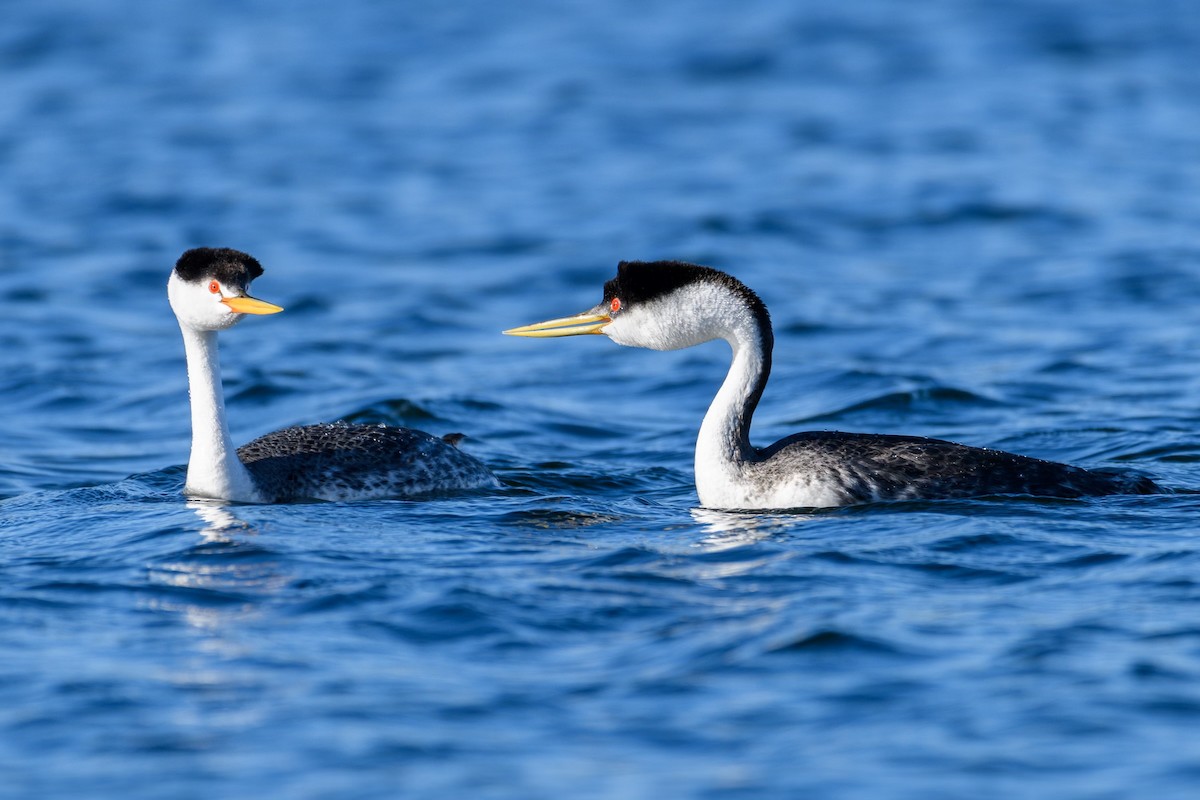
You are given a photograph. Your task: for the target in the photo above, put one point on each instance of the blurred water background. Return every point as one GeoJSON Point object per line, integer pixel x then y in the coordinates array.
{"type": "Point", "coordinates": [970, 219]}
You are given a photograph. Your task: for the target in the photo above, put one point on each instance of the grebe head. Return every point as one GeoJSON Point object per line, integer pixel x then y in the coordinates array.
{"type": "Point", "coordinates": [662, 305]}
{"type": "Point", "coordinates": [208, 288]}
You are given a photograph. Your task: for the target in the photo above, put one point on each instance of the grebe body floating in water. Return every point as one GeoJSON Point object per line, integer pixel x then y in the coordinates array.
{"type": "Point", "coordinates": [208, 293]}
{"type": "Point", "coordinates": [668, 305]}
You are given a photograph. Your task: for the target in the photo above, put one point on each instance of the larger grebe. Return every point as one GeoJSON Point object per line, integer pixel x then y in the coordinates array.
{"type": "Point", "coordinates": [208, 293]}
{"type": "Point", "coordinates": [668, 305]}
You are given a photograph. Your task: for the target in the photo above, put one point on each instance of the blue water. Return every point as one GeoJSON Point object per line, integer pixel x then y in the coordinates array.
{"type": "Point", "coordinates": [973, 220]}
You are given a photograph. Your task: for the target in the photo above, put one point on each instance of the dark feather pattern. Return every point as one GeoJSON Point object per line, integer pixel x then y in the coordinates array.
{"type": "Point", "coordinates": [232, 268]}
{"type": "Point", "coordinates": [346, 462]}
{"type": "Point", "coordinates": [870, 467]}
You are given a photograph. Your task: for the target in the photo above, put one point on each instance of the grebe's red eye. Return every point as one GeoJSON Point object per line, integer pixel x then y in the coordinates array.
{"type": "Point", "coordinates": [214, 287]}
{"type": "Point", "coordinates": [615, 305]}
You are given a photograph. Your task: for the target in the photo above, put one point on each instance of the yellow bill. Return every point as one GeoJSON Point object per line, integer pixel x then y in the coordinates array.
{"type": "Point", "coordinates": [588, 322]}
{"type": "Point", "coordinates": [251, 305]}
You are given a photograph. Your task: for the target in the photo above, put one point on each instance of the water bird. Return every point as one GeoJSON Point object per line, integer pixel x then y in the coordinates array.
{"type": "Point", "coordinates": [208, 290]}
{"type": "Point", "coordinates": [669, 305]}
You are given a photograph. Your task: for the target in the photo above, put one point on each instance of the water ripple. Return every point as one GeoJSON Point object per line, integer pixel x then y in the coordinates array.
{"type": "Point", "coordinates": [969, 220]}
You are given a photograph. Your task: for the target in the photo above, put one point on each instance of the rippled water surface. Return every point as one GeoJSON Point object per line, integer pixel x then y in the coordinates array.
{"type": "Point", "coordinates": [972, 220]}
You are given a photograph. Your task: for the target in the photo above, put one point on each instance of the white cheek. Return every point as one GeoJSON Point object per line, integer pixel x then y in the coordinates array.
{"type": "Point", "coordinates": [199, 308]}
{"type": "Point", "coordinates": [224, 316]}
{"type": "Point", "coordinates": [220, 316]}
{"type": "Point", "coordinates": [658, 326]}
{"type": "Point", "coordinates": [618, 332]}
{"type": "Point", "coordinates": [635, 330]}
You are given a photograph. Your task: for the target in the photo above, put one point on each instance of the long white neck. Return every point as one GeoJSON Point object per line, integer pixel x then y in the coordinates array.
{"type": "Point", "coordinates": [723, 446]}
{"type": "Point", "coordinates": [214, 469]}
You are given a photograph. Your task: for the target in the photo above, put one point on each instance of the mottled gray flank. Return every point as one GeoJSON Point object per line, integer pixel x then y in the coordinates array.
{"type": "Point", "coordinates": [868, 467]}
{"type": "Point", "coordinates": [348, 462]}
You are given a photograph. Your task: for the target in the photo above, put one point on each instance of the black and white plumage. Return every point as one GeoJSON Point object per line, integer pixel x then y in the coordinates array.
{"type": "Point", "coordinates": [208, 293]}
{"type": "Point", "coordinates": [668, 305]}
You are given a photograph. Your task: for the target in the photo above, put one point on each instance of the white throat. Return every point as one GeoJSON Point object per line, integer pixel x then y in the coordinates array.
{"type": "Point", "coordinates": [723, 449]}
{"type": "Point", "coordinates": [214, 469]}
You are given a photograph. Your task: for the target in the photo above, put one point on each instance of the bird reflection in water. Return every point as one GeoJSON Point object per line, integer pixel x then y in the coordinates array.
{"type": "Point", "coordinates": [223, 576]}
{"type": "Point", "coordinates": [725, 530]}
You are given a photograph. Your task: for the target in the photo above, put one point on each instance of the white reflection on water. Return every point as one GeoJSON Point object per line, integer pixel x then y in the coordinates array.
{"type": "Point", "coordinates": [728, 529]}
{"type": "Point", "coordinates": [219, 522]}
{"type": "Point", "coordinates": [230, 575]}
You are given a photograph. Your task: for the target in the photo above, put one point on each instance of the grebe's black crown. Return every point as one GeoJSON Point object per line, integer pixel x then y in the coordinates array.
{"type": "Point", "coordinates": [231, 267]}
{"type": "Point", "coordinates": [643, 281]}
